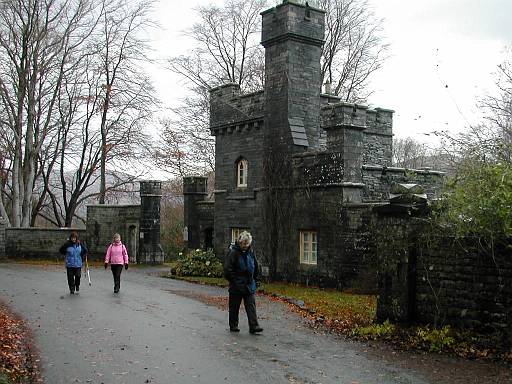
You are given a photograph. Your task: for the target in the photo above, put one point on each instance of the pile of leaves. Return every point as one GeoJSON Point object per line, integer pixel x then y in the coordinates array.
{"type": "Point", "coordinates": [18, 361]}
{"type": "Point", "coordinates": [198, 263]}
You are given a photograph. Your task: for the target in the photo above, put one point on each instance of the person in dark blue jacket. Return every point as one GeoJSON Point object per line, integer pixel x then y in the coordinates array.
{"type": "Point", "coordinates": [241, 270]}
{"type": "Point", "coordinates": [74, 250]}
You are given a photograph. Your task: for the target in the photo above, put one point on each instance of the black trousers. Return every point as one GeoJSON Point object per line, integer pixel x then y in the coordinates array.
{"type": "Point", "coordinates": [116, 272]}
{"type": "Point", "coordinates": [74, 278]}
{"type": "Point", "coordinates": [235, 299]}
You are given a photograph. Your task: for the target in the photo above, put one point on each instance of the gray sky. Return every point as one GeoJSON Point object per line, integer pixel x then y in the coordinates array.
{"type": "Point", "coordinates": [443, 53]}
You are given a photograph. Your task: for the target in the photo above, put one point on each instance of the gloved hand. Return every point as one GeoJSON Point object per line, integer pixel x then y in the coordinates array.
{"type": "Point", "coordinates": [126, 266]}
{"type": "Point", "coordinates": [106, 265]}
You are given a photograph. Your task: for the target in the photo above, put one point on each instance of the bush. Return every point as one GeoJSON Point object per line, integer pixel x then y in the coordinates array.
{"type": "Point", "coordinates": [199, 263]}
{"type": "Point", "coordinates": [435, 339]}
{"type": "Point", "coordinates": [375, 331]}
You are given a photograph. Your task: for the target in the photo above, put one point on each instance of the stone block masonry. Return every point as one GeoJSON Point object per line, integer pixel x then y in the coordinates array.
{"type": "Point", "coordinates": [460, 284]}
{"type": "Point", "coordinates": [3, 225]}
{"type": "Point", "coordinates": [105, 220]}
{"type": "Point", "coordinates": [37, 243]}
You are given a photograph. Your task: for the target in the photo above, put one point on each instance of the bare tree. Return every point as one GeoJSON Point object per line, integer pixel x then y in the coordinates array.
{"type": "Point", "coordinates": [128, 98]}
{"type": "Point", "coordinates": [227, 42]}
{"type": "Point", "coordinates": [354, 48]}
{"type": "Point", "coordinates": [73, 98]}
{"type": "Point", "coordinates": [498, 112]}
{"type": "Point", "coordinates": [187, 146]}
{"type": "Point", "coordinates": [37, 41]}
{"type": "Point", "coordinates": [409, 153]}
{"type": "Point", "coordinates": [108, 88]}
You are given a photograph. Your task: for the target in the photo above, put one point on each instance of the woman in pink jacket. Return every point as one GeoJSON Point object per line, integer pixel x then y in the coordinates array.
{"type": "Point", "coordinates": [116, 256]}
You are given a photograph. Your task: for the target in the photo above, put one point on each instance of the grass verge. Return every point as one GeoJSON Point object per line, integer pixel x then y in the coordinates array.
{"type": "Point", "coordinates": [353, 316]}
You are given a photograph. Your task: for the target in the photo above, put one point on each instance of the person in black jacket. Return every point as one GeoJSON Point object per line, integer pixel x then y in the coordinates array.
{"type": "Point", "coordinates": [241, 270]}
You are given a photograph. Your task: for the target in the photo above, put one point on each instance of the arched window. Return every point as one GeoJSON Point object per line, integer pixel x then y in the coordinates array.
{"type": "Point", "coordinates": [242, 168]}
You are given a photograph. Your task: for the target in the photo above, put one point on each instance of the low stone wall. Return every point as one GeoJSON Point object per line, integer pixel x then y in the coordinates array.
{"type": "Point", "coordinates": [434, 278]}
{"type": "Point", "coordinates": [460, 283]}
{"type": "Point", "coordinates": [3, 225]}
{"type": "Point", "coordinates": [37, 243]}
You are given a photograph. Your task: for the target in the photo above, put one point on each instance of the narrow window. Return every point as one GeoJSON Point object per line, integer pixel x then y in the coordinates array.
{"type": "Point", "coordinates": [308, 247]}
{"type": "Point", "coordinates": [235, 232]}
{"type": "Point", "coordinates": [242, 169]}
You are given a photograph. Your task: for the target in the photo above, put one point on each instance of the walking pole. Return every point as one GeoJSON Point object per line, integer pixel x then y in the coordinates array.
{"type": "Point", "coordinates": [87, 270]}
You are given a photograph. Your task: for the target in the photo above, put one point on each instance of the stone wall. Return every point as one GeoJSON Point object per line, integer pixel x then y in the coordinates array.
{"type": "Point", "coordinates": [378, 137]}
{"type": "Point", "coordinates": [459, 283]}
{"type": "Point", "coordinates": [228, 108]}
{"type": "Point", "coordinates": [237, 207]}
{"type": "Point", "coordinates": [318, 168]}
{"type": "Point", "coordinates": [105, 220]}
{"type": "Point", "coordinates": [433, 278]}
{"type": "Point", "coordinates": [38, 243]}
{"type": "Point", "coordinates": [378, 181]}
{"type": "Point", "coordinates": [3, 225]}
{"type": "Point", "coordinates": [205, 218]}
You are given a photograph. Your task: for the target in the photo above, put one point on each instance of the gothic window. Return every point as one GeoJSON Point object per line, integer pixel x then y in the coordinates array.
{"type": "Point", "coordinates": [308, 247]}
{"type": "Point", "coordinates": [242, 168]}
{"type": "Point", "coordinates": [235, 232]}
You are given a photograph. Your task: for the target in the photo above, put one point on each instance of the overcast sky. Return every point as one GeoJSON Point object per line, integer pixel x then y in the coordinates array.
{"type": "Point", "coordinates": [443, 54]}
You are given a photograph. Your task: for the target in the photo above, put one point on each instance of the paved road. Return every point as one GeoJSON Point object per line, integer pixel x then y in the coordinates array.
{"type": "Point", "coordinates": [165, 331]}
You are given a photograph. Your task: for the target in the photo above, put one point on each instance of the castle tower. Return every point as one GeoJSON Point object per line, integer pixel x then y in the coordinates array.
{"type": "Point", "coordinates": [293, 35]}
{"type": "Point", "coordinates": [150, 250]}
{"type": "Point", "coordinates": [194, 190]}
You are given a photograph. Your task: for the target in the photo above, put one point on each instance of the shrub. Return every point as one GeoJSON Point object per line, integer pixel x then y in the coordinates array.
{"type": "Point", "coordinates": [436, 339]}
{"type": "Point", "coordinates": [199, 263]}
{"type": "Point", "coordinates": [375, 331]}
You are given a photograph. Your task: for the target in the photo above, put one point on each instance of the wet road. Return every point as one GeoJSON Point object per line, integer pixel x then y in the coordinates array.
{"type": "Point", "coordinates": [166, 331]}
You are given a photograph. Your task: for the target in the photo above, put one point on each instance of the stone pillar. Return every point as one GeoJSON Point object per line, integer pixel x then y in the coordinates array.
{"type": "Point", "coordinates": [194, 190]}
{"type": "Point", "coordinates": [150, 250]}
{"type": "Point", "coordinates": [397, 230]}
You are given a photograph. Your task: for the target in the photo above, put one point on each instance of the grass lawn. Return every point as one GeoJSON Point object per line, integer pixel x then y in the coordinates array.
{"type": "Point", "coordinates": [341, 310]}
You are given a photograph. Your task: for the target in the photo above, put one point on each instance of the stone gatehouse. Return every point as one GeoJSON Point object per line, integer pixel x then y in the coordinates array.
{"type": "Point", "coordinates": [300, 169]}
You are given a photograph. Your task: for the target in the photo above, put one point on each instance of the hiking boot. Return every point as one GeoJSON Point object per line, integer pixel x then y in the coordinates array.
{"type": "Point", "coordinates": [234, 329]}
{"type": "Point", "coordinates": [256, 330]}
{"type": "Point", "coordinates": [71, 292]}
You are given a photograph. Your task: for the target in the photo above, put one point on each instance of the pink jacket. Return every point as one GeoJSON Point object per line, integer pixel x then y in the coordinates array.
{"type": "Point", "coordinates": [116, 254]}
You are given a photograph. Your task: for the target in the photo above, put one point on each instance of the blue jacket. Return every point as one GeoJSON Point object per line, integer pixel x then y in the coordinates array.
{"type": "Point", "coordinates": [241, 270]}
{"type": "Point", "coordinates": [74, 253]}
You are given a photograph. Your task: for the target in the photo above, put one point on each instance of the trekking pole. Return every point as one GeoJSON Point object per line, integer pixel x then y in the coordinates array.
{"type": "Point", "coordinates": [87, 270]}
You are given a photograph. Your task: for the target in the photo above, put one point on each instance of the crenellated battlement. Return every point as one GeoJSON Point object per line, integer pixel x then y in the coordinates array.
{"type": "Point", "coordinates": [342, 114]}
{"type": "Point", "coordinates": [232, 112]}
{"type": "Point", "coordinates": [195, 185]}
